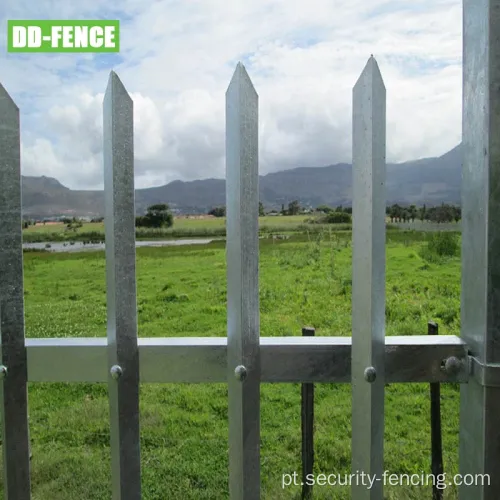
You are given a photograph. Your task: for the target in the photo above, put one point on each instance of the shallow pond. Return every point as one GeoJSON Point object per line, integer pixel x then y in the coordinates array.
{"type": "Point", "coordinates": [79, 246]}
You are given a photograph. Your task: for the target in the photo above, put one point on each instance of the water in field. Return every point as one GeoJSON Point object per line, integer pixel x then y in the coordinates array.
{"type": "Point", "coordinates": [79, 246]}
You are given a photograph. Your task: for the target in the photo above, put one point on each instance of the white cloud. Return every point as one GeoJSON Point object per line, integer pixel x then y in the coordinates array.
{"type": "Point", "coordinates": [177, 59]}
{"type": "Point", "coordinates": [30, 157]}
{"type": "Point", "coordinates": [148, 132]}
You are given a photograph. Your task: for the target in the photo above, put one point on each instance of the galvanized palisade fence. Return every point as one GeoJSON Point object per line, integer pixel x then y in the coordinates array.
{"type": "Point", "coordinates": [244, 359]}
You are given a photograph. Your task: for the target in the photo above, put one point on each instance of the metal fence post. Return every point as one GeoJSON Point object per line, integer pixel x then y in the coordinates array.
{"type": "Point", "coordinates": [307, 425]}
{"type": "Point", "coordinates": [368, 281]}
{"type": "Point", "coordinates": [480, 302]}
{"type": "Point", "coordinates": [123, 354]}
{"type": "Point", "coordinates": [13, 367]}
{"type": "Point", "coordinates": [242, 253]}
{"type": "Point", "coordinates": [436, 441]}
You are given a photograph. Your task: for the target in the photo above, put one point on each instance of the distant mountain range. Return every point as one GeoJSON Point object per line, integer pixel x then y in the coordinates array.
{"type": "Point", "coordinates": [430, 181]}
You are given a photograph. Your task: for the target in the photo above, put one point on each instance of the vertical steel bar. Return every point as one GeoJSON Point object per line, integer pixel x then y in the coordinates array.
{"type": "Point", "coordinates": [123, 353]}
{"type": "Point", "coordinates": [13, 370]}
{"type": "Point", "coordinates": [307, 424]}
{"type": "Point", "coordinates": [480, 302]}
{"type": "Point", "coordinates": [436, 442]}
{"type": "Point", "coordinates": [368, 280]}
{"type": "Point", "coordinates": [242, 254]}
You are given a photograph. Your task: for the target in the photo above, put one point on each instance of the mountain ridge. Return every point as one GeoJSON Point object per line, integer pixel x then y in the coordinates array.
{"type": "Point", "coordinates": [429, 180]}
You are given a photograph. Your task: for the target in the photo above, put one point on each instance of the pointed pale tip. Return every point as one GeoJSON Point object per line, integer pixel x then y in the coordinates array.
{"type": "Point", "coordinates": [113, 77]}
{"type": "Point", "coordinates": [115, 85]}
{"type": "Point", "coordinates": [6, 98]}
{"type": "Point", "coordinates": [372, 61]}
{"type": "Point", "coordinates": [371, 71]}
{"type": "Point", "coordinates": [241, 78]}
{"type": "Point", "coordinates": [239, 70]}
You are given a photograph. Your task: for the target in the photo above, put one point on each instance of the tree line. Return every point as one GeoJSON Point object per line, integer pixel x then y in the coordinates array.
{"type": "Point", "coordinates": [397, 213]}
{"type": "Point", "coordinates": [441, 213]}
{"type": "Point", "coordinates": [221, 211]}
{"type": "Point", "coordinates": [160, 216]}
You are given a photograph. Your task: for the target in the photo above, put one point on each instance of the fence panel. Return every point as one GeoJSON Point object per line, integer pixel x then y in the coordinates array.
{"type": "Point", "coordinates": [245, 360]}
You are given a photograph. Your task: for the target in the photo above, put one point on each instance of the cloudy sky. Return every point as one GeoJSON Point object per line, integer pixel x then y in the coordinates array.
{"type": "Point", "coordinates": [177, 58]}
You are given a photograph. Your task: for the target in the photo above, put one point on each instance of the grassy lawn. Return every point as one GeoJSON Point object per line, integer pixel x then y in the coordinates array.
{"type": "Point", "coordinates": [182, 292]}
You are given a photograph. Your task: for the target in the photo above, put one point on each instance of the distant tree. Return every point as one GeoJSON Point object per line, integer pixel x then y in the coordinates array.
{"type": "Point", "coordinates": [443, 213]}
{"type": "Point", "coordinates": [283, 211]}
{"type": "Point", "coordinates": [293, 207]}
{"type": "Point", "coordinates": [74, 224]}
{"type": "Point", "coordinates": [412, 212]}
{"type": "Point", "coordinates": [157, 216]}
{"type": "Point", "coordinates": [337, 218]}
{"type": "Point", "coordinates": [324, 208]}
{"type": "Point", "coordinates": [218, 212]}
{"type": "Point", "coordinates": [396, 213]}
{"type": "Point", "coordinates": [261, 209]}
{"type": "Point", "coordinates": [390, 212]}
{"type": "Point", "coordinates": [423, 213]}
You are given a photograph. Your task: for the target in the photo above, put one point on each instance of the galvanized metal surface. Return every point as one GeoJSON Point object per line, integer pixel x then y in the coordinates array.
{"type": "Point", "coordinates": [480, 304]}
{"type": "Point", "coordinates": [368, 279]}
{"type": "Point", "coordinates": [487, 375]}
{"type": "Point", "coordinates": [415, 358]}
{"type": "Point", "coordinates": [242, 254]}
{"type": "Point", "coordinates": [13, 387]}
{"type": "Point", "coordinates": [123, 354]}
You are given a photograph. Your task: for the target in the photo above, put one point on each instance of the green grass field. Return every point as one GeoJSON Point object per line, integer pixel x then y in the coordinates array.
{"type": "Point", "coordinates": [182, 292]}
{"type": "Point", "coordinates": [61, 228]}
{"type": "Point", "coordinates": [179, 223]}
{"type": "Point", "coordinates": [182, 228]}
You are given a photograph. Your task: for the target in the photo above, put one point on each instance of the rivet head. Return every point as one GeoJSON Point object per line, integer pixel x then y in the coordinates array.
{"type": "Point", "coordinates": [370, 374]}
{"type": "Point", "coordinates": [116, 372]}
{"type": "Point", "coordinates": [240, 372]}
{"type": "Point", "coordinates": [3, 371]}
{"type": "Point", "coordinates": [452, 365]}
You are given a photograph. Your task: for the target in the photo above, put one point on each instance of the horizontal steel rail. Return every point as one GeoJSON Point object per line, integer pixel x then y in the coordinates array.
{"type": "Point", "coordinates": [414, 358]}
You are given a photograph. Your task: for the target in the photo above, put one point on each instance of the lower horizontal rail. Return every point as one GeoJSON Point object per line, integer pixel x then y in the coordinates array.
{"type": "Point", "coordinates": [418, 358]}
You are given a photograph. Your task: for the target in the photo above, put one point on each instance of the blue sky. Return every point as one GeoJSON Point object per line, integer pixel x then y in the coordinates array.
{"type": "Point", "coordinates": [177, 58]}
